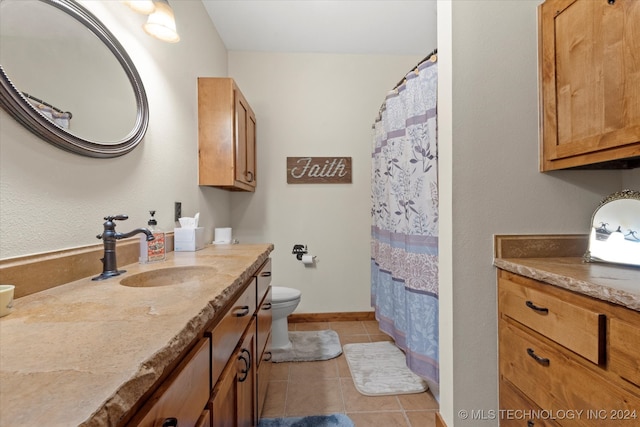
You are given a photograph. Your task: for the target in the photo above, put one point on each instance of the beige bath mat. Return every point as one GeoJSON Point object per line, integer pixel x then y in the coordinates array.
{"type": "Point", "coordinates": [380, 368]}
{"type": "Point", "coordinates": [309, 346]}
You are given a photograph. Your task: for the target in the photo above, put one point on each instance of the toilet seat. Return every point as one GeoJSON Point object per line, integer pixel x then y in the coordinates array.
{"type": "Point", "coordinates": [283, 294]}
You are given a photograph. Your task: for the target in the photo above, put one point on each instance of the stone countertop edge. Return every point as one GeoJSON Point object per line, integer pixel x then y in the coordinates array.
{"type": "Point", "coordinates": [192, 315]}
{"type": "Point", "coordinates": [564, 267]}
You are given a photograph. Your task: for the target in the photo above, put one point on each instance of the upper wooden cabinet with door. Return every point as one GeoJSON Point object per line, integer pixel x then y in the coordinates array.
{"type": "Point", "coordinates": [590, 83]}
{"type": "Point", "coordinates": [226, 136]}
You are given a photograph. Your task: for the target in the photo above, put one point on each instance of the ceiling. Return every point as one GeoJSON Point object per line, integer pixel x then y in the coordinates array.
{"type": "Point", "coordinates": [402, 27]}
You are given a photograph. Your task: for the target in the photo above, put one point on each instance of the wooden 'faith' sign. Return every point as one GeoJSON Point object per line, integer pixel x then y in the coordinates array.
{"type": "Point", "coordinates": [318, 170]}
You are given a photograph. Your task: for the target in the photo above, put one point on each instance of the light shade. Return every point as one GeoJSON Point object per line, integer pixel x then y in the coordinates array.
{"type": "Point", "coordinates": [141, 6]}
{"type": "Point", "coordinates": [161, 24]}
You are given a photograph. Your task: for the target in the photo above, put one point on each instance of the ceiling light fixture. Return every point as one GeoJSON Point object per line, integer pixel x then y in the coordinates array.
{"type": "Point", "coordinates": [161, 24]}
{"type": "Point", "coordinates": [141, 6]}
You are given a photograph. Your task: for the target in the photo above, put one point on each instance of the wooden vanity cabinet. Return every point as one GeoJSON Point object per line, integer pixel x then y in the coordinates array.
{"type": "Point", "coordinates": [589, 74]}
{"type": "Point", "coordinates": [240, 355]}
{"type": "Point", "coordinates": [181, 400]}
{"type": "Point", "coordinates": [226, 136]}
{"type": "Point", "coordinates": [561, 351]}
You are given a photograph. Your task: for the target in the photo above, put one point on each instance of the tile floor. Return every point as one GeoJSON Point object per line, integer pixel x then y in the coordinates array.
{"type": "Point", "coordinates": [325, 387]}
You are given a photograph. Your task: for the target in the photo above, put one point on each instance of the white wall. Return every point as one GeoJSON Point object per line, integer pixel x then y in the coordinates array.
{"type": "Point", "coordinates": [51, 199]}
{"type": "Point", "coordinates": [490, 151]}
{"type": "Point", "coordinates": [314, 105]}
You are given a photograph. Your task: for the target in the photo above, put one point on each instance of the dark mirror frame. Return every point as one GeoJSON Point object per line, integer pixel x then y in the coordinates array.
{"type": "Point", "coordinates": [12, 100]}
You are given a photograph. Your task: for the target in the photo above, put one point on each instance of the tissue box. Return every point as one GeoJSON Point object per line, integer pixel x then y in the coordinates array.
{"type": "Point", "coordinates": [188, 239]}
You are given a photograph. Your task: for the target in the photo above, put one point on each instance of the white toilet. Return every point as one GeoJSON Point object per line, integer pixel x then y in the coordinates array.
{"type": "Point", "coordinates": [283, 302]}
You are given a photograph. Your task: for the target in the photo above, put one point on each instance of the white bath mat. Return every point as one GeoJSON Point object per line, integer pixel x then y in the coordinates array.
{"type": "Point", "coordinates": [309, 346]}
{"type": "Point", "coordinates": [380, 369]}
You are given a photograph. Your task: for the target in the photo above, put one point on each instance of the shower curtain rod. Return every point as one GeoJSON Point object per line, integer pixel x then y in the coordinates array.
{"type": "Point", "coordinates": [433, 56]}
{"type": "Point", "coordinates": [26, 95]}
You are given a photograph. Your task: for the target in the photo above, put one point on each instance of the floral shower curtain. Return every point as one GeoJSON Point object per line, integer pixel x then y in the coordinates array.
{"type": "Point", "coordinates": [404, 193]}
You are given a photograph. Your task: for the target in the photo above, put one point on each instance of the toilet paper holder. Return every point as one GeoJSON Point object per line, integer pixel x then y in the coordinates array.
{"type": "Point", "coordinates": [299, 250]}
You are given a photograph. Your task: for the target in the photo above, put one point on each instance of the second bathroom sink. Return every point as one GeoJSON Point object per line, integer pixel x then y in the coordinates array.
{"type": "Point", "coordinates": [168, 276]}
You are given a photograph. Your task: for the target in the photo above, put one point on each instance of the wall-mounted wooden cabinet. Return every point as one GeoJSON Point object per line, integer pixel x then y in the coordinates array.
{"type": "Point", "coordinates": [589, 83]}
{"type": "Point", "coordinates": [226, 136]}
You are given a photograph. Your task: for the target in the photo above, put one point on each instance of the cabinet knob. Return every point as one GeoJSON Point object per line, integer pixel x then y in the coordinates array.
{"type": "Point", "coordinates": [249, 176]}
{"type": "Point", "coordinates": [170, 422]}
{"type": "Point", "coordinates": [611, 1]}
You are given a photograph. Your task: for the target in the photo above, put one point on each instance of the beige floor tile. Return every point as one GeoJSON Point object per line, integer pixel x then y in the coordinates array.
{"type": "Point", "coordinates": [378, 419]}
{"type": "Point", "coordinates": [354, 401]}
{"type": "Point", "coordinates": [422, 418]}
{"type": "Point", "coordinates": [380, 337]}
{"type": "Point", "coordinates": [279, 371]}
{"type": "Point", "coordinates": [317, 398]}
{"type": "Point", "coordinates": [309, 326]}
{"type": "Point", "coordinates": [348, 328]}
{"type": "Point", "coordinates": [311, 371]}
{"type": "Point", "coordinates": [372, 327]}
{"type": "Point", "coordinates": [354, 339]}
{"type": "Point", "coordinates": [274, 403]}
{"type": "Point", "coordinates": [418, 401]}
{"type": "Point", "coordinates": [343, 367]}
{"type": "Point", "coordinates": [326, 387]}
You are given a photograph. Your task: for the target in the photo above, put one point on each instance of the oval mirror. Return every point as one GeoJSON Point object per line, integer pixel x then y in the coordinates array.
{"type": "Point", "coordinates": [67, 79]}
{"type": "Point", "coordinates": [615, 230]}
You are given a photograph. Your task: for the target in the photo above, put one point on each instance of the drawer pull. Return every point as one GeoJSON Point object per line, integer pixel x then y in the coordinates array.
{"type": "Point", "coordinates": [541, 360]}
{"type": "Point", "coordinates": [267, 356]}
{"type": "Point", "coordinates": [247, 364]}
{"type": "Point", "coordinates": [170, 422]}
{"type": "Point", "coordinates": [265, 274]}
{"type": "Point", "coordinates": [534, 307]}
{"type": "Point", "coordinates": [266, 306]}
{"type": "Point", "coordinates": [530, 423]}
{"type": "Point", "coordinates": [244, 311]}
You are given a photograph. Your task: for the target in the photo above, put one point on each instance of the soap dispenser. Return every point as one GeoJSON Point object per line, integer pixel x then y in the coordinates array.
{"type": "Point", "coordinates": [153, 250]}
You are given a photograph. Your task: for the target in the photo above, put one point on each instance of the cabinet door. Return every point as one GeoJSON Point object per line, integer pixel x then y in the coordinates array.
{"type": "Point", "coordinates": [224, 404]}
{"type": "Point", "coordinates": [590, 79]}
{"type": "Point", "coordinates": [245, 140]}
{"type": "Point", "coordinates": [183, 396]}
{"type": "Point", "coordinates": [234, 402]}
{"type": "Point", "coordinates": [247, 405]}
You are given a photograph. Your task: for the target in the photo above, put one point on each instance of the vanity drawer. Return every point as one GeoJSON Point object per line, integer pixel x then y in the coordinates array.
{"type": "Point", "coordinates": [543, 372]}
{"type": "Point", "coordinates": [227, 333]}
{"type": "Point", "coordinates": [518, 411]}
{"type": "Point", "coordinates": [263, 276]}
{"type": "Point", "coordinates": [578, 329]}
{"type": "Point", "coordinates": [184, 394]}
{"type": "Point", "coordinates": [624, 349]}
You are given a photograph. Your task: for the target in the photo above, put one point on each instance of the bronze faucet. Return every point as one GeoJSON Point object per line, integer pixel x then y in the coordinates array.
{"type": "Point", "coordinates": [109, 237]}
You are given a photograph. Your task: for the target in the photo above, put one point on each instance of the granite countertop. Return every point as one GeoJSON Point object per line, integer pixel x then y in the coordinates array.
{"type": "Point", "coordinates": [557, 260]}
{"type": "Point", "coordinates": [85, 352]}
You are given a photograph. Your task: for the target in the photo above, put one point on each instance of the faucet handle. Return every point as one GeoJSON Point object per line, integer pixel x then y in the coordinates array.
{"type": "Point", "coordinates": [116, 217]}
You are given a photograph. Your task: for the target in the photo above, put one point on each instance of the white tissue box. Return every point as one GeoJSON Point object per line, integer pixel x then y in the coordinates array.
{"type": "Point", "coordinates": [188, 239]}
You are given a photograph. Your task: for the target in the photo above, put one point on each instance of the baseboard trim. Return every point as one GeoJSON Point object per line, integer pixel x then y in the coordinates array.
{"type": "Point", "coordinates": [331, 317]}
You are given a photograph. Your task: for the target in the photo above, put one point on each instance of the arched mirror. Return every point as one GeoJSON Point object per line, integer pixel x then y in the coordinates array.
{"type": "Point", "coordinates": [67, 79]}
{"type": "Point", "coordinates": [615, 230]}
